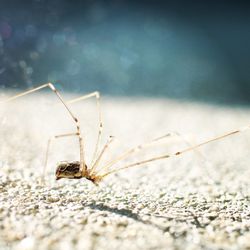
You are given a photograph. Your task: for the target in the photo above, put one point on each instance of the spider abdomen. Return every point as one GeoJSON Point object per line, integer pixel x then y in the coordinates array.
{"type": "Point", "coordinates": [69, 170]}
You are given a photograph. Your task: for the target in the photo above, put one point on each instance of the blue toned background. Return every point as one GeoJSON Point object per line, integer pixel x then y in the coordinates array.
{"type": "Point", "coordinates": [196, 50]}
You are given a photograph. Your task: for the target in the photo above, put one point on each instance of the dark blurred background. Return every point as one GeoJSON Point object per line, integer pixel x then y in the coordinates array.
{"type": "Point", "coordinates": [198, 50]}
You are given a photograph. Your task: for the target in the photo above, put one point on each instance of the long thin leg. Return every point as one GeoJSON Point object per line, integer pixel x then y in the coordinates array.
{"type": "Point", "coordinates": [176, 153]}
{"type": "Point", "coordinates": [189, 144]}
{"type": "Point", "coordinates": [95, 94]}
{"type": "Point", "coordinates": [48, 148]}
{"type": "Point", "coordinates": [52, 87]}
{"type": "Point", "coordinates": [142, 146]}
{"type": "Point", "coordinates": [95, 165]}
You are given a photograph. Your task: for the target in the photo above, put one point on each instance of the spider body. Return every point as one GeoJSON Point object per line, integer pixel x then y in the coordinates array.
{"type": "Point", "coordinates": [72, 170]}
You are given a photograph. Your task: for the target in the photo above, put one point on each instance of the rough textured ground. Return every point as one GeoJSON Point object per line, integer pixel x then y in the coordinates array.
{"type": "Point", "coordinates": [196, 201]}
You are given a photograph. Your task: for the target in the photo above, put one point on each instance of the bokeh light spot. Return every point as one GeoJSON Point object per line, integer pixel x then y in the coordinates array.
{"type": "Point", "coordinates": [5, 30]}
{"type": "Point", "coordinates": [41, 45]}
{"type": "Point", "coordinates": [73, 67]}
{"type": "Point", "coordinates": [30, 30]}
{"type": "Point", "coordinates": [91, 51]}
{"type": "Point", "coordinates": [59, 38]}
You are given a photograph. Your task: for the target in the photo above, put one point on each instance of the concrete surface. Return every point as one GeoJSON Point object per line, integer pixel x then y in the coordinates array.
{"type": "Point", "coordinates": [199, 200]}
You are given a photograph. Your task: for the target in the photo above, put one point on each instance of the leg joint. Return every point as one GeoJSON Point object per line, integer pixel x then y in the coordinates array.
{"type": "Point", "coordinates": [52, 86]}
{"type": "Point", "coordinates": [97, 94]}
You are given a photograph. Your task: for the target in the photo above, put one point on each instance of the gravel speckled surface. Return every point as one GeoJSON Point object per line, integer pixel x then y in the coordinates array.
{"type": "Point", "coordinates": [196, 201]}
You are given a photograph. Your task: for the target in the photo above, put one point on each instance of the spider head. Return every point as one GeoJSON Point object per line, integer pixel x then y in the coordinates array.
{"type": "Point", "coordinates": [69, 170]}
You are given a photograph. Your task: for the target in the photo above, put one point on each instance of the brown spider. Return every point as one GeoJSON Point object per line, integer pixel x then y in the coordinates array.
{"type": "Point", "coordinates": [79, 169]}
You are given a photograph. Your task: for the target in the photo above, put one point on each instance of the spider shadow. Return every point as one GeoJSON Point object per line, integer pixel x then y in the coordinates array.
{"type": "Point", "coordinates": [124, 212]}
{"type": "Point", "coordinates": [131, 215]}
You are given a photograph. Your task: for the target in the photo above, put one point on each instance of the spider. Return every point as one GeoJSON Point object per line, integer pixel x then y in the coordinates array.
{"type": "Point", "coordinates": [80, 169]}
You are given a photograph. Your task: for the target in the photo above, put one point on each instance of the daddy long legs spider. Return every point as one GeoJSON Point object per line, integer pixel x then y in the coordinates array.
{"type": "Point", "coordinates": [93, 171]}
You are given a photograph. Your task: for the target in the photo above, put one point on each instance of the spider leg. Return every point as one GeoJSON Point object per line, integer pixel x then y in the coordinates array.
{"type": "Point", "coordinates": [95, 94]}
{"type": "Point", "coordinates": [95, 165]}
{"type": "Point", "coordinates": [48, 148]}
{"type": "Point", "coordinates": [145, 145]}
{"type": "Point", "coordinates": [52, 87]}
{"type": "Point", "coordinates": [165, 156]}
